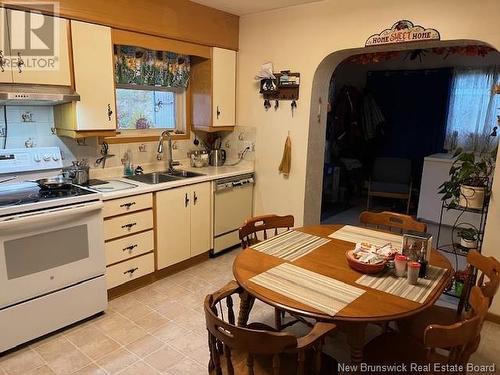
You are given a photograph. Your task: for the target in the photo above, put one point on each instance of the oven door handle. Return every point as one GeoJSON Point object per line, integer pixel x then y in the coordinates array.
{"type": "Point", "coordinates": [47, 217]}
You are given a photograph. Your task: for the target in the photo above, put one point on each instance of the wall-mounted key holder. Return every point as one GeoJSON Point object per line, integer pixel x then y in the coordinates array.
{"type": "Point", "coordinates": [284, 87]}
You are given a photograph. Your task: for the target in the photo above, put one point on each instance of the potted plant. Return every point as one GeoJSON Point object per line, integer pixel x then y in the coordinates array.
{"type": "Point", "coordinates": [468, 238]}
{"type": "Point", "coordinates": [469, 179]}
{"type": "Point", "coordinates": [460, 279]}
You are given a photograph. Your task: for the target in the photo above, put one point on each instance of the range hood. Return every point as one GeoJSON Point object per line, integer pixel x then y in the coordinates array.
{"type": "Point", "coordinates": [22, 94]}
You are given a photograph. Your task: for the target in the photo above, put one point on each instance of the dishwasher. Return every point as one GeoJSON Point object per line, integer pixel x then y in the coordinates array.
{"type": "Point", "coordinates": [233, 204]}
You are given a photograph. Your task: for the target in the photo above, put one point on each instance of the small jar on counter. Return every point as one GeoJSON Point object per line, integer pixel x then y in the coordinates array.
{"type": "Point", "coordinates": [400, 261]}
{"type": "Point", "coordinates": [413, 271]}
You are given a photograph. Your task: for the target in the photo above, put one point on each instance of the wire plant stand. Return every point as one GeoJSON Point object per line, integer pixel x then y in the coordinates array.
{"type": "Point", "coordinates": [453, 246]}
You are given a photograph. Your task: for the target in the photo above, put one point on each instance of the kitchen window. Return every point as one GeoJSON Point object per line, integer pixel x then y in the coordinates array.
{"type": "Point", "coordinates": [142, 111]}
{"type": "Point", "coordinates": [151, 91]}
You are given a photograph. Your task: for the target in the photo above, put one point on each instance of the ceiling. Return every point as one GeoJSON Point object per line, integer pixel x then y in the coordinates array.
{"type": "Point", "coordinates": [242, 7]}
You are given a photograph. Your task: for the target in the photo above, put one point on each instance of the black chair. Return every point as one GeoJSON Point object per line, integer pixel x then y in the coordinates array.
{"type": "Point", "coordinates": [391, 178]}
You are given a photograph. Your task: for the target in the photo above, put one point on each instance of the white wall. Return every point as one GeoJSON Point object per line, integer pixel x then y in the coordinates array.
{"type": "Point", "coordinates": [300, 38]}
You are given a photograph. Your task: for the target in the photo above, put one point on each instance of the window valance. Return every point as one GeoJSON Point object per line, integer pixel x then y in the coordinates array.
{"type": "Point", "coordinates": [144, 67]}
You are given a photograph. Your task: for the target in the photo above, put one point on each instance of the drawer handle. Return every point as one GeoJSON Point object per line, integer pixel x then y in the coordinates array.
{"type": "Point", "coordinates": [127, 205]}
{"type": "Point", "coordinates": [129, 248]}
{"type": "Point", "coordinates": [128, 226]}
{"type": "Point", "coordinates": [131, 271]}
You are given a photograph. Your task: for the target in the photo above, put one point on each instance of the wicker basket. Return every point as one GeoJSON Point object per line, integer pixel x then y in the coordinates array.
{"type": "Point", "coordinates": [363, 267]}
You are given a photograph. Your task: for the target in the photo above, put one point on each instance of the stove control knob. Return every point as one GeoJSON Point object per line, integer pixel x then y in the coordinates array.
{"type": "Point", "coordinates": [37, 158]}
{"type": "Point", "coordinates": [46, 157]}
{"type": "Point", "coordinates": [55, 157]}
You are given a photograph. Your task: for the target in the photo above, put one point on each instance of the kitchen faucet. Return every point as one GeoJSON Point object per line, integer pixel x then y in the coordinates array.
{"type": "Point", "coordinates": [159, 156]}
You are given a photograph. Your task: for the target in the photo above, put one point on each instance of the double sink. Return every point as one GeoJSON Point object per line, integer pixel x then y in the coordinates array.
{"type": "Point", "coordinates": [160, 177]}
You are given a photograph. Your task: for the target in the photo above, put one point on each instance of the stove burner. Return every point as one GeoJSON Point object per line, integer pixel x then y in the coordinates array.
{"type": "Point", "coordinates": [58, 193]}
{"type": "Point", "coordinates": [17, 195]}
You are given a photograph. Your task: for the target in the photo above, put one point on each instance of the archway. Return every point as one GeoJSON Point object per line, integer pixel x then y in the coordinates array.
{"type": "Point", "coordinates": [318, 121]}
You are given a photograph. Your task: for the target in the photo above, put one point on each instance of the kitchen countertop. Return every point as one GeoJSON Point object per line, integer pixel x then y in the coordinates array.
{"type": "Point", "coordinates": [209, 174]}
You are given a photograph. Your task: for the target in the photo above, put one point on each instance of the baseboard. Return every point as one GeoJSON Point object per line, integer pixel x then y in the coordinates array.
{"type": "Point", "coordinates": [493, 318]}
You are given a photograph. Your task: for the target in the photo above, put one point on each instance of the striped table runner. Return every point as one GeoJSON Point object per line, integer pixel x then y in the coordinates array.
{"type": "Point", "coordinates": [398, 286]}
{"type": "Point", "coordinates": [310, 288]}
{"type": "Point", "coordinates": [290, 245]}
{"type": "Point", "coordinates": [354, 234]}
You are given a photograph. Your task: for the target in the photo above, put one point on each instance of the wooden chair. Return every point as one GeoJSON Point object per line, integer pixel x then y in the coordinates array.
{"type": "Point", "coordinates": [488, 269]}
{"type": "Point", "coordinates": [391, 178]}
{"type": "Point", "coordinates": [249, 232]}
{"type": "Point", "coordinates": [257, 348]}
{"type": "Point", "coordinates": [249, 235]}
{"type": "Point", "coordinates": [446, 344]}
{"type": "Point", "coordinates": [391, 221]}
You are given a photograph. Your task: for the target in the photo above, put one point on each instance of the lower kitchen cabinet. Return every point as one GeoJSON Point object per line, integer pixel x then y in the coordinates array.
{"type": "Point", "coordinates": [128, 270]}
{"type": "Point", "coordinates": [128, 247]}
{"type": "Point", "coordinates": [182, 223]}
{"type": "Point", "coordinates": [129, 238]}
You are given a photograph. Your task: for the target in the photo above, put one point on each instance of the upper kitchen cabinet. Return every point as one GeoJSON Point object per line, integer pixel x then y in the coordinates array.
{"type": "Point", "coordinates": [213, 89]}
{"type": "Point", "coordinates": [94, 114]}
{"type": "Point", "coordinates": [36, 50]}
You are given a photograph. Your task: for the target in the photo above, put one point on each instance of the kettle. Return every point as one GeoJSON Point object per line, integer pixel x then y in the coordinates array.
{"type": "Point", "coordinates": [78, 172]}
{"type": "Point", "coordinates": [217, 157]}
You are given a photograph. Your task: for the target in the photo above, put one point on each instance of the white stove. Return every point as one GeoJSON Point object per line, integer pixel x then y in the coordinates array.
{"type": "Point", "coordinates": [18, 194]}
{"type": "Point", "coordinates": [52, 261]}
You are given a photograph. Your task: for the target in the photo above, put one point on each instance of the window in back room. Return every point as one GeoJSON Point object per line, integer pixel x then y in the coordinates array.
{"type": "Point", "coordinates": [150, 90]}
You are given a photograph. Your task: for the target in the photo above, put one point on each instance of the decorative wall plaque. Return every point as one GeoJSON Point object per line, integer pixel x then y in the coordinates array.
{"type": "Point", "coordinates": [403, 31]}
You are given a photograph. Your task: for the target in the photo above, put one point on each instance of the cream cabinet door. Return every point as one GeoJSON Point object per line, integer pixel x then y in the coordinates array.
{"type": "Point", "coordinates": [94, 79]}
{"type": "Point", "coordinates": [5, 66]}
{"type": "Point", "coordinates": [173, 238]}
{"type": "Point", "coordinates": [200, 218]}
{"type": "Point", "coordinates": [41, 42]}
{"type": "Point", "coordinates": [224, 87]}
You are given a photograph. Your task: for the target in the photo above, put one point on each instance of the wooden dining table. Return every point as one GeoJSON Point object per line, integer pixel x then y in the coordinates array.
{"type": "Point", "coordinates": [373, 306]}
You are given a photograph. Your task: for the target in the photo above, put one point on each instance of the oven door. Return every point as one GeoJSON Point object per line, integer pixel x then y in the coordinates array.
{"type": "Point", "coordinates": [49, 250]}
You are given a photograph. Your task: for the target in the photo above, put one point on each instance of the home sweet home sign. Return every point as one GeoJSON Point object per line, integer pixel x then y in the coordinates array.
{"type": "Point", "coordinates": [403, 31]}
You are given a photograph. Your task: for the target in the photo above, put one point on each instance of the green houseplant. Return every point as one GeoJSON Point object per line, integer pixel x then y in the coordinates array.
{"type": "Point", "coordinates": [468, 238]}
{"type": "Point", "coordinates": [469, 178]}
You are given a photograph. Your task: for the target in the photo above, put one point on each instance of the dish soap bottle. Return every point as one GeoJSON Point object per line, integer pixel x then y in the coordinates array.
{"type": "Point", "coordinates": [128, 168]}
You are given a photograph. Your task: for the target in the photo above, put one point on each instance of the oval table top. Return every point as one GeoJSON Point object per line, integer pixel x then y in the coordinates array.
{"type": "Point", "coordinates": [329, 260]}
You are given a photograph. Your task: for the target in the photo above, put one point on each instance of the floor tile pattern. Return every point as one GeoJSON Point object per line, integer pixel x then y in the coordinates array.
{"type": "Point", "coordinates": [160, 329]}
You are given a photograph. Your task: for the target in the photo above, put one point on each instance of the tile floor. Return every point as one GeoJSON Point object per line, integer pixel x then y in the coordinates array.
{"type": "Point", "coordinates": [160, 329]}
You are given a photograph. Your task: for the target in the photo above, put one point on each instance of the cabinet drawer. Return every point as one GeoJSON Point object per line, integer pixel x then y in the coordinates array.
{"type": "Point", "coordinates": [129, 270]}
{"type": "Point", "coordinates": [128, 224]}
{"type": "Point", "coordinates": [128, 204]}
{"type": "Point", "coordinates": [128, 247]}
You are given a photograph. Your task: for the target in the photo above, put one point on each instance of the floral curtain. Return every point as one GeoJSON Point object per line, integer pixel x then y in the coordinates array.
{"type": "Point", "coordinates": [473, 110]}
{"type": "Point", "coordinates": [139, 66]}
